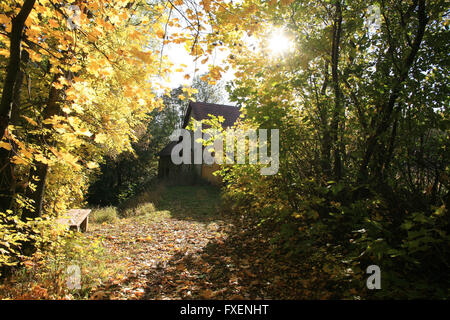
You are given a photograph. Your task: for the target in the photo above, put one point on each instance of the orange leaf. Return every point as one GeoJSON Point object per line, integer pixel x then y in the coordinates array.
{"type": "Point", "coordinates": [5, 145]}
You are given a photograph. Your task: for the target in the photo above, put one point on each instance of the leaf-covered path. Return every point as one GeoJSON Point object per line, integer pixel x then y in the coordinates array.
{"type": "Point", "coordinates": [190, 251]}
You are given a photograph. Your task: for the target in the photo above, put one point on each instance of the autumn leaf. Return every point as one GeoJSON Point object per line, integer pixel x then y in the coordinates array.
{"type": "Point", "coordinates": [5, 145]}
{"type": "Point", "coordinates": [207, 294]}
{"type": "Point", "coordinates": [160, 33]}
{"type": "Point", "coordinates": [100, 138]}
{"type": "Point", "coordinates": [57, 85]}
{"type": "Point", "coordinates": [92, 165]}
{"type": "Point", "coordinates": [4, 19]}
{"type": "Point", "coordinates": [18, 160]}
{"type": "Point", "coordinates": [30, 121]}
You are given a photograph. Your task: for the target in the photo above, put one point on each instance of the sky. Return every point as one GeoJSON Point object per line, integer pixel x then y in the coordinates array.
{"type": "Point", "coordinates": [178, 55]}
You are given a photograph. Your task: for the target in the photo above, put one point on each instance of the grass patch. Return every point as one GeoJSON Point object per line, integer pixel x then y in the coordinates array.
{"type": "Point", "coordinates": [152, 195]}
{"type": "Point", "coordinates": [192, 202]}
{"type": "Point", "coordinates": [142, 203]}
{"type": "Point", "coordinates": [182, 202]}
{"type": "Point", "coordinates": [139, 210]}
{"type": "Point", "coordinates": [155, 216]}
{"type": "Point", "coordinates": [101, 215]}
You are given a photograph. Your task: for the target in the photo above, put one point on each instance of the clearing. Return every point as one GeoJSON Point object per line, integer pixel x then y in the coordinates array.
{"type": "Point", "coordinates": [189, 249]}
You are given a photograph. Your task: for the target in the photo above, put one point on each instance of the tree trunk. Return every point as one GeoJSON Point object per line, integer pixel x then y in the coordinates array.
{"type": "Point", "coordinates": [7, 101]}
{"type": "Point", "coordinates": [325, 144]}
{"type": "Point", "coordinates": [337, 113]}
{"type": "Point", "coordinates": [13, 68]}
{"type": "Point", "coordinates": [39, 169]}
{"type": "Point", "coordinates": [387, 108]}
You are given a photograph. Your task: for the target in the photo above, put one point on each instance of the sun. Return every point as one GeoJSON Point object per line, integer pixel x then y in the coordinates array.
{"type": "Point", "coordinates": [279, 43]}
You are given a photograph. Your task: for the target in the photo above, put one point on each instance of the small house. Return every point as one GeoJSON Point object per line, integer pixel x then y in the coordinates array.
{"type": "Point", "coordinates": [195, 173]}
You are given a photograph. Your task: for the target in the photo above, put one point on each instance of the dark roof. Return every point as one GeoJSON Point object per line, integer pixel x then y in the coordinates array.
{"type": "Point", "coordinates": [200, 111]}
{"type": "Point", "coordinates": [166, 151]}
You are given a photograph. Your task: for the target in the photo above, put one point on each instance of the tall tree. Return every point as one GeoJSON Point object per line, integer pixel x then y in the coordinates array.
{"type": "Point", "coordinates": [13, 80]}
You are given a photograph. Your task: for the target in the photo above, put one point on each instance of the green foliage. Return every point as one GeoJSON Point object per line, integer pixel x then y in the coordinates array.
{"type": "Point", "coordinates": [12, 235]}
{"type": "Point", "coordinates": [363, 142]}
{"type": "Point", "coordinates": [207, 92]}
{"type": "Point", "coordinates": [321, 222]}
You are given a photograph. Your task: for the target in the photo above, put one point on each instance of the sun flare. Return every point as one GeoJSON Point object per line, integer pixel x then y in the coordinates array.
{"type": "Point", "coordinates": [279, 43]}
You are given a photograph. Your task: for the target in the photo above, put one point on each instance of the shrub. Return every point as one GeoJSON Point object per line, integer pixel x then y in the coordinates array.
{"type": "Point", "coordinates": [321, 221]}
{"type": "Point", "coordinates": [12, 235]}
{"type": "Point", "coordinates": [19, 239]}
{"type": "Point", "coordinates": [45, 274]}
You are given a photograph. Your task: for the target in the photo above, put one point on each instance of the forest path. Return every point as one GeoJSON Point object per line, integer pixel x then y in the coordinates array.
{"type": "Point", "coordinates": [188, 250]}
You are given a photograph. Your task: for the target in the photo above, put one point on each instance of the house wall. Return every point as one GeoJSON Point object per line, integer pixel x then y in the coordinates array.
{"type": "Point", "coordinates": [207, 174]}
{"type": "Point", "coordinates": [188, 173]}
{"type": "Point", "coordinates": [177, 174]}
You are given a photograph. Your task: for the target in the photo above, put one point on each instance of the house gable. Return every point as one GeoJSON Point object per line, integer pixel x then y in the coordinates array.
{"type": "Point", "coordinates": [200, 110]}
{"type": "Point", "coordinates": [188, 173]}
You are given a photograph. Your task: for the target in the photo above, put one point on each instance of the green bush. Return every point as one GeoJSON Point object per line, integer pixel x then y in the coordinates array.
{"type": "Point", "coordinates": [322, 221]}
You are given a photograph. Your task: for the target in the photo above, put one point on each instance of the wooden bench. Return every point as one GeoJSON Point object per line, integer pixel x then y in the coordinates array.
{"type": "Point", "coordinates": [77, 219]}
